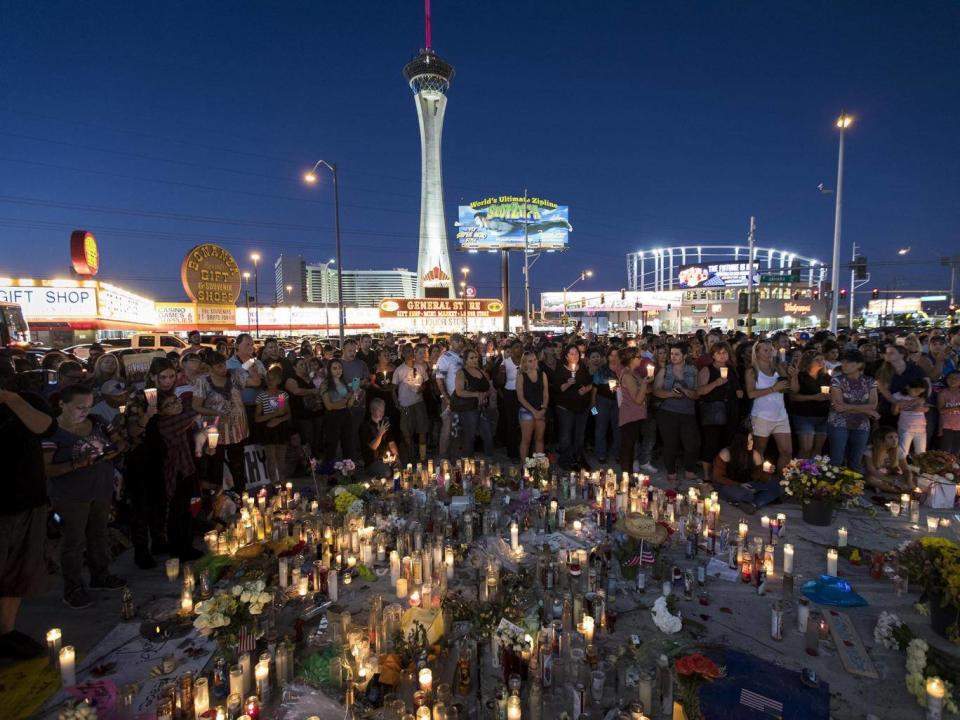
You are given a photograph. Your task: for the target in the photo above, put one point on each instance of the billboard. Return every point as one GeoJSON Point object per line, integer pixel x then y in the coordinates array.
{"type": "Point", "coordinates": [416, 308]}
{"type": "Point", "coordinates": [509, 223]}
{"type": "Point", "coordinates": [717, 275]}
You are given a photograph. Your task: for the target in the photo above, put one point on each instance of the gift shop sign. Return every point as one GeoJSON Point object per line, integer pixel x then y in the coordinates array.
{"type": "Point", "coordinates": [416, 308]}
{"type": "Point", "coordinates": [52, 302]}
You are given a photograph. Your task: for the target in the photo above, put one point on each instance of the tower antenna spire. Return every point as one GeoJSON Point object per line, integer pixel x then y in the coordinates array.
{"type": "Point", "coordinates": [426, 10]}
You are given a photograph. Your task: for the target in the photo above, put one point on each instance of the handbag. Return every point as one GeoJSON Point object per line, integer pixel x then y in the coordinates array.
{"type": "Point", "coordinates": [713, 412]}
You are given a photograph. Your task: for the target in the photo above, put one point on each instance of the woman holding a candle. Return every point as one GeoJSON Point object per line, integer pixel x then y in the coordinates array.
{"type": "Point", "coordinates": [338, 398]}
{"type": "Point", "coordinates": [810, 404]}
{"type": "Point", "coordinates": [739, 475]}
{"type": "Point", "coordinates": [886, 467]}
{"type": "Point", "coordinates": [469, 401]}
{"type": "Point", "coordinates": [719, 390]}
{"type": "Point", "coordinates": [766, 382]}
{"type": "Point", "coordinates": [634, 389]}
{"type": "Point", "coordinates": [78, 458]}
{"type": "Point", "coordinates": [533, 395]}
{"type": "Point", "coordinates": [853, 400]}
{"type": "Point", "coordinates": [676, 386]}
{"type": "Point", "coordinates": [572, 400]}
{"type": "Point", "coordinates": [381, 384]}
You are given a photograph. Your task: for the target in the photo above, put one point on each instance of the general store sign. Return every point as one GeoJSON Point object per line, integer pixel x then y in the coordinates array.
{"type": "Point", "coordinates": [417, 308]}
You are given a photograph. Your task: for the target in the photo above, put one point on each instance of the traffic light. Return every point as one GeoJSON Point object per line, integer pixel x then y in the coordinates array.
{"type": "Point", "coordinates": [875, 293]}
{"type": "Point", "coordinates": [843, 293]}
{"type": "Point", "coordinates": [860, 267]}
{"type": "Point", "coordinates": [742, 304]}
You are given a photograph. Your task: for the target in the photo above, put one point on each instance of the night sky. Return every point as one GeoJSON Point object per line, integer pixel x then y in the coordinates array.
{"type": "Point", "coordinates": [160, 125]}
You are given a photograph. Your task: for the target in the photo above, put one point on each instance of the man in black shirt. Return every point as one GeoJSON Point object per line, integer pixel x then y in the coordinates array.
{"type": "Point", "coordinates": [25, 418]}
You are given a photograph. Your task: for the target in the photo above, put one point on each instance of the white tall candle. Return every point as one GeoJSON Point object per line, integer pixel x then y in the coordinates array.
{"type": "Point", "coordinates": [426, 679]}
{"type": "Point", "coordinates": [246, 666]}
{"type": "Point", "coordinates": [449, 562]}
{"type": "Point", "coordinates": [832, 562]}
{"type": "Point", "coordinates": [788, 559]}
{"type": "Point", "coordinates": [54, 638]}
{"type": "Point", "coordinates": [283, 567]}
{"type": "Point", "coordinates": [401, 587]}
{"type": "Point", "coordinates": [842, 537]}
{"type": "Point", "coordinates": [935, 693]}
{"type": "Point", "coordinates": [201, 696]}
{"type": "Point", "coordinates": [587, 624]}
{"type": "Point", "coordinates": [394, 567]}
{"type": "Point", "coordinates": [333, 592]}
{"type": "Point", "coordinates": [743, 529]}
{"type": "Point", "coordinates": [514, 536]}
{"type": "Point", "coordinates": [68, 668]}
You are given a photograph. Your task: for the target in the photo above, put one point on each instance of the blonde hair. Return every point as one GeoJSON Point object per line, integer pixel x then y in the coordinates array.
{"type": "Point", "coordinates": [754, 361]}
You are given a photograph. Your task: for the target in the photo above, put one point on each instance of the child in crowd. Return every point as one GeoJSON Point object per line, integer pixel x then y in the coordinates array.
{"type": "Point", "coordinates": [910, 406]}
{"type": "Point", "coordinates": [273, 414]}
{"type": "Point", "coordinates": [886, 464]}
{"type": "Point", "coordinates": [948, 402]}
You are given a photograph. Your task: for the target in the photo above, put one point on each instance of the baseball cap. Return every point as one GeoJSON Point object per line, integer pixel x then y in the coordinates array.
{"type": "Point", "coordinates": [113, 387]}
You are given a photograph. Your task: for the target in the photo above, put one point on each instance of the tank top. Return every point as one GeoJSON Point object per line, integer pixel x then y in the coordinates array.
{"type": "Point", "coordinates": [630, 409]}
{"type": "Point", "coordinates": [768, 407]}
{"type": "Point", "coordinates": [533, 390]}
{"type": "Point", "coordinates": [680, 403]}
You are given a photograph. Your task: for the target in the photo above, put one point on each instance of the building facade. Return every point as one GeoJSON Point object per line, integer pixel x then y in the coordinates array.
{"type": "Point", "coordinates": [316, 283]}
{"type": "Point", "coordinates": [290, 270]}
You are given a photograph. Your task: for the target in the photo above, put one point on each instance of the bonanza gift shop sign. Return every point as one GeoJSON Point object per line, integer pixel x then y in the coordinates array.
{"type": "Point", "coordinates": [52, 302]}
{"type": "Point", "coordinates": [432, 308]}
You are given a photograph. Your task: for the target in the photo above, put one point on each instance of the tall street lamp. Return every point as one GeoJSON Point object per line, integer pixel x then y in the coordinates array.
{"type": "Point", "coordinates": [256, 289]}
{"type": "Point", "coordinates": [289, 310]}
{"type": "Point", "coordinates": [843, 122]}
{"type": "Point", "coordinates": [311, 179]}
{"type": "Point", "coordinates": [582, 276]}
{"type": "Point", "coordinates": [463, 294]}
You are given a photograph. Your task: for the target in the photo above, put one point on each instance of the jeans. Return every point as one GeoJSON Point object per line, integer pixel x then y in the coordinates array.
{"type": "Point", "coordinates": [472, 422]}
{"type": "Point", "coordinates": [629, 436]}
{"type": "Point", "coordinates": [847, 446]}
{"type": "Point", "coordinates": [84, 528]}
{"type": "Point", "coordinates": [648, 439]}
{"type": "Point", "coordinates": [915, 440]}
{"type": "Point", "coordinates": [571, 429]}
{"type": "Point", "coordinates": [679, 430]}
{"type": "Point", "coordinates": [607, 419]}
{"type": "Point", "coordinates": [763, 493]}
{"type": "Point", "coordinates": [511, 423]}
{"type": "Point", "coordinates": [338, 430]}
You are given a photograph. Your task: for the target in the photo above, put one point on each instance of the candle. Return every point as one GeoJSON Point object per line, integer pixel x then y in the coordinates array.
{"type": "Point", "coordinates": [173, 568]}
{"type": "Point", "coordinates": [577, 526]}
{"type": "Point", "coordinates": [201, 696]}
{"type": "Point", "coordinates": [842, 537]}
{"type": "Point", "coordinates": [742, 530]}
{"type": "Point", "coordinates": [426, 679]}
{"type": "Point", "coordinates": [246, 670]}
{"type": "Point", "coordinates": [905, 503]}
{"type": "Point", "coordinates": [933, 524]}
{"type": "Point", "coordinates": [186, 603]}
{"type": "Point", "coordinates": [935, 693]}
{"type": "Point", "coordinates": [781, 525]}
{"type": "Point", "coordinates": [151, 395]}
{"type": "Point", "coordinates": [767, 466]}
{"type": "Point", "coordinates": [401, 587]}
{"type": "Point", "coordinates": [213, 437]}
{"type": "Point", "coordinates": [650, 371]}
{"type": "Point", "coordinates": [68, 669]}
{"type": "Point", "coordinates": [832, 562]}
{"type": "Point", "coordinates": [263, 680]}
{"type": "Point", "coordinates": [415, 599]}
{"type": "Point", "coordinates": [54, 637]}
{"type": "Point", "coordinates": [723, 372]}
{"type": "Point", "coordinates": [587, 625]}
{"type": "Point", "coordinates": [825, 389]}
{"type": "Point", "coordinates": [283, 565]}
{"type": "Point", "coordinates": [333, 592]}
{"type": "Point", "coordinates": [423, 712]}
{"type": "Point", "coordinates": [448, 560]}
{"type": "Point", "coordinates": [788, 559]}
{"type": "Point", "coordinates": [765, 522]}
{"type": "Point", "coordinates": [514, 536]}
{"type": "Point", "coordinates": [513, 707]}
{"type": "Point", "coordinates": [303, 586]}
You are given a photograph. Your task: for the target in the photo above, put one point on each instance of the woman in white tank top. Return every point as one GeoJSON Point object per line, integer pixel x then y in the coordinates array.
{"type": "Point", "coordinates": [766, 384]}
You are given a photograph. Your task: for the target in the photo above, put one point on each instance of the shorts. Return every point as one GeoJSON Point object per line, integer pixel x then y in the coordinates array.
{"type": "Point", "coordinates": [525, 415]}
{"type": "Point", "coordinates": [23, 568]}
{"type": "Point", "coordinates": [414, 420]}
{"type": "Point", "coordinates": [807, 425]}
{"type": "Point", "coordinates": [765, 428]}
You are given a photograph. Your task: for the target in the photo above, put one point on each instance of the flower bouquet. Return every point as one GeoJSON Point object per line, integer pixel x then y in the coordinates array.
{"type": "Point", "coordinates": [345, 469]}
{"type": "Point", "coordinates": [224, 615]}
{"type": "Point", "coordinates": [934, 564]}
{"type": "Point", "coordinates": [538, 467]}
{"type": "Point", "coordinates": [923, 662]}
{"type": "Point", "coordinates": [939, 462]}
{"type": "Point", "coordinates": [346, 502]}
{"type": "Point", "coordinates": [820, 486]}
{"type": "Point", "coordinates": [692, 672]}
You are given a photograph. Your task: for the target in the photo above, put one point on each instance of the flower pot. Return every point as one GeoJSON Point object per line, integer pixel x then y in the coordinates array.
{"type": "Point", "coordinates": [942, 617]}
{"type": "Point", "coordinates": [818, 512]}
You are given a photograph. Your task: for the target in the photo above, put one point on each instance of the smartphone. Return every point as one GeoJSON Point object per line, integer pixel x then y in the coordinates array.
{"type": "Point", "coordinates": [355, 384]}
{"type": "Point", "coordinates": [594, 411]}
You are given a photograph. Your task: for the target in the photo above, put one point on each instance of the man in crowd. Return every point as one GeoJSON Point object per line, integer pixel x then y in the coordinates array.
{"type": "Point", "coordinates": [244, 354]}
{"type": "Point", "coordinates": [113, 394]}
{"type": "Point", "coordinates": [377, 440]}
{"type": "Point", "coordinates": [193, 337]}
{"type": "Point", "coordinates": [356, 376]}
{"type": "Point", "coordinates": [448, 365]}
{"type": "Point", "coordinates": [25, 419]}
{"type": "Point", "coordinates": [366, 351]}
{"type": "Point", "coordinates": [511, 405]}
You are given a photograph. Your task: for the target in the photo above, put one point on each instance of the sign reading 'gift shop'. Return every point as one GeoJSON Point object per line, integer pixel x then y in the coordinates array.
{"type": "Point", "coordinates": [210, 275]}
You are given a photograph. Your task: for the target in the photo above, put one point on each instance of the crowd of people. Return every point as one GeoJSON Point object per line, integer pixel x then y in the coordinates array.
{"type": "Point", "coordinates": [93, 448]}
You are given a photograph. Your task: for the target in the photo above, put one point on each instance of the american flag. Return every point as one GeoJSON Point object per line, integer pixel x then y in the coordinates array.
{"type": "Point", "coordinates": [246, 642]}
{"type": "Point", "coordinates": [644, 557]}
{"type": "Point", "coordinates": [766, 705]}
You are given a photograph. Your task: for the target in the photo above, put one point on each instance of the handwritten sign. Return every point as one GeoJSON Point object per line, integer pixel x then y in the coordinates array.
{"type": "Point", "coordinates": [852, 653]}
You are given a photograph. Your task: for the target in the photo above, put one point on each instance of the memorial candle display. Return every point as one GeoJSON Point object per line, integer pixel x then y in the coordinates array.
{"type": "Point", "coordinates": [842, 537]}
{"type": "Point", "coordinates": [426, 679]}
{"type": "Point", "coordinates": [788, 559]}
{"type": "Point", "coordinates": [832, 562]}
{"type": "Point", "coordinates": [68, 668]}
{"type": "Point", "coordinates": [514, 536]}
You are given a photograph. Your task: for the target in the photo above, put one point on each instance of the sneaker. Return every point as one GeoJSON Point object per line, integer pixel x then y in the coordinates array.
{"type": "Point", "coordinates": [17, 646]}
{"type": "Point", "coordinates": [78, 599]}
{"type": "Point", "coordinates": [648, 469]}
{"type": "Point", "coordinates": [108, 582]}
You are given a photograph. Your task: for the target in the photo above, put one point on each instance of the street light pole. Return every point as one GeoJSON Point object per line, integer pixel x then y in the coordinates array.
{"type": "Point", "coordinates": [843, 122]}
{"type": "Point", "coordinates": [310, 178]}
{"type": "Point", "coordinates": [289, 311]}
{"type": "Point", "coordinates": [583, 276]}
{"type": "Point", "coordinates": [246, 294]}
{"type": "Point", "coordinates": [256, 289]}
{"type": "Point", "coordinates": [526, 265]}
{"type": "Point", "coordinates": [463, 294]}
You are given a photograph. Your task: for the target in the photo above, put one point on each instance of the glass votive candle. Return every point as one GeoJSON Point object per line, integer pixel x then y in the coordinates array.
{"type": "Point", "coordinates": [933, 524]}
{"type": "Point", "coordinates": [173, 568]}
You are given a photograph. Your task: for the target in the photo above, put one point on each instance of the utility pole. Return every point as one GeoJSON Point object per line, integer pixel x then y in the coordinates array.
{"type": "Point", "coordinates": [526, 264]}
{"type": "Point", "coordinates": [750, 239]}
{"type": "Point", "coordinates": [843, 123]}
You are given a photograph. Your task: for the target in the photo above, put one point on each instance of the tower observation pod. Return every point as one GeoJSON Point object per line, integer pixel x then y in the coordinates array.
{"type": "Point", "coordinates": [429, 77]}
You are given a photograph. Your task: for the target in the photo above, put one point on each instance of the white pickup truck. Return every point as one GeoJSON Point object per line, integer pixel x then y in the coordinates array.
{"type": "Point", "coordinates": [157, 341]}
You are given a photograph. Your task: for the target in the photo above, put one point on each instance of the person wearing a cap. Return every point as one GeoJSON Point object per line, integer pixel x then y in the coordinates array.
{"type": "Point", "coordinates": [25, 419]}
{"type": "Point", "coordinates": [193, 337]}
{"type": "Point", "coordinates": [113, 394]}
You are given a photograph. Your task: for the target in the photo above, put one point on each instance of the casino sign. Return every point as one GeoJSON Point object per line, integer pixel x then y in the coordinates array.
{"type": "Point", "coordinates": [210, 275]}
{"type": "Point", "coordinates": [84, 253]}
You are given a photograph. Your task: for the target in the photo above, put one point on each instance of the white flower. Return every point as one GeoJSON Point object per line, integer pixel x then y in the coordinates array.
{"type": "Point", "coordinates": [667, 623]}
{"type": "Point", "coordinates": [256, 609]}
{"type": "Point", "coordinates": [264, 598]}
{"type": "Point", "coordinates": [236, 590]}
